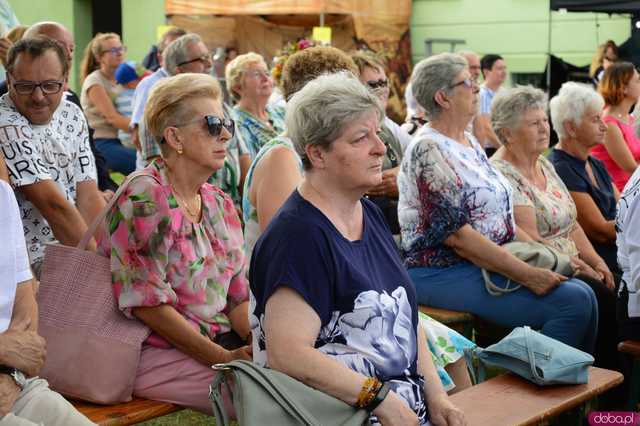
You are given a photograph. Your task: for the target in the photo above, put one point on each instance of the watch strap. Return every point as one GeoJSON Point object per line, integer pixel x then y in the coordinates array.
{"type": "Point", "coordinates": [5, 369]}
{"type": "Point", "coordinates": [378, 398]}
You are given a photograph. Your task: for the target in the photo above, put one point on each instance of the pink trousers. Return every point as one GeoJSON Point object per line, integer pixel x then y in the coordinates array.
{"type": "Point", "coordinates": [170, 375]}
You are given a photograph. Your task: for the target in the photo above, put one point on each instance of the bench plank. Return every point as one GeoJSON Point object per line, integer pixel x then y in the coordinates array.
{"type": "Point", "coordinates": [135, 411]}
{"type": "Point", "coordinates": [446, 316]}
{"type": "Point", "coordinates": [511, 400]}
{"type": "Point", "coordinates": [462, 322]}
{"type": "Point", "coordinates": [631, 347]}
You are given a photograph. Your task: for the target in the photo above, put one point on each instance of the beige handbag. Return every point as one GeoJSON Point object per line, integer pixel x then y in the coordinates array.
{"type": "Point", "coordinates": [92, 348]}
{"type": "Point", "coordinates": [535, 254]}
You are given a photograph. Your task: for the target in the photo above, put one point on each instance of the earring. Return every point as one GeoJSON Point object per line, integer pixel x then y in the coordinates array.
{"type": "Point", "coordinates": [179, 151]}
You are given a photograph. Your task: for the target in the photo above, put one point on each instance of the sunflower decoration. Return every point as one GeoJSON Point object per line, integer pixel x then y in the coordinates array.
{"type": "Point", "coordinates": [288, 50]}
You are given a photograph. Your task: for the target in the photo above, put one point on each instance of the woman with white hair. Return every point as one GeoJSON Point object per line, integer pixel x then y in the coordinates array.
{"type": "Point", "coordinates": [176, 248]}
{"type": "Point", "coordinates": [328, 263]}
{"type": "Point", "coordinates": [576, 114]}
{"type": "Point", "coordinates": [251, 85]}
{"type": "Point", "coordinates": [456, 210]}
{"type": "Point", "coordinates": [543, 207]}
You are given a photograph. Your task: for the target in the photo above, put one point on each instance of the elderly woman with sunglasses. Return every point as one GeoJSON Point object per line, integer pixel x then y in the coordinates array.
{"type": "Point", "coordinates": [455, 212]}
{"type": "Point", "coordinates": [396, 139]}
{"type": "Point", "coordinates": [251, 85]}
{"type": "Point", "coordinates": [357, 336]}
{"type": "Point", "coordinates": [99, 88]}
{"type": "Point", "coordinates": [176, 248]}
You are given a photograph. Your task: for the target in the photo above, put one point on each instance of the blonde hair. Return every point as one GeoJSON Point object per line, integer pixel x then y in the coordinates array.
{"type": "Point", "coordinates": [235, 70]}
{"type": "Point", "coordinates": [169, 101]}
{"type": "Point", "coordinates": [364, 59]}
{"type": "Point", "coordinates": [92, 52]}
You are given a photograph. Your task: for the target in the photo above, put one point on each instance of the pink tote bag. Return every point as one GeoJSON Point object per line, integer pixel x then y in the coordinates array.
{"type": "Point", "coordinates": [93, 350]}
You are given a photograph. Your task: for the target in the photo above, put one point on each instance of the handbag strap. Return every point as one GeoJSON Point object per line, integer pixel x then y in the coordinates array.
{"type": "Point", "coordinates": [495, 290]}
{"type": "Point", "coordinates": [532, 358]}
{"type": "Point", "coordinates": [215, 396]}
{"type": "Point", "coordinates": [82, 245]}
{"type": "Point", "coordinates": [278, 392]}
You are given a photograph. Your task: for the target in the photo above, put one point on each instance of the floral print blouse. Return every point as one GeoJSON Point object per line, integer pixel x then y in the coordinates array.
{"type": "Point", "coordinates": [159, 256]}
{"type": "Point", "coordinates": [443, 186]}
{"type": "Point", "coordinates": [255, 132]}
{"type": "Point", "coordinates": [556, 213]}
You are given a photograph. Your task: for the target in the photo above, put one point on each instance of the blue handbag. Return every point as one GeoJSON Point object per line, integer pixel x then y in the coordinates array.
{"type": "Point", "coordinates": [535, 357]}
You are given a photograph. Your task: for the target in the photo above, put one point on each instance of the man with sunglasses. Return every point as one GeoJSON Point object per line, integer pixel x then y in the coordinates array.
{"type": "Point", "coordinates": [45, 143]}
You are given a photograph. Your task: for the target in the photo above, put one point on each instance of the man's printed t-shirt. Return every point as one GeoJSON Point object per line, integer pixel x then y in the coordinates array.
{"type": "Point", "coordinates": [57, 151]}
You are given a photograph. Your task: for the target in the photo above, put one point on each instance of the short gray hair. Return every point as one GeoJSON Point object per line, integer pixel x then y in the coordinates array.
{"type": "Point", "coordinates": [317, 114]}
{"type": "Point", "coordinates": [433, 74]}
{"type": "Point", "coordinates": [510, 104]}
{"type": "Point", "coordinates": [571, 103]}
{"type": "Point", "coordinates": [177, 53]}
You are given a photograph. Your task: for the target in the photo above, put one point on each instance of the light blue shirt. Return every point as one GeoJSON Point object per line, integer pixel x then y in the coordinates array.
{"type": "Point", "coordinates": [486, 97]}
{"type": "Point", "coordinates": [142, 94]}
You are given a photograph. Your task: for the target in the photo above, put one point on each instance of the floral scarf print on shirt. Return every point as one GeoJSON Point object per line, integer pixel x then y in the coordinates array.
{"type": "Point", "coordinates": [158, 256]}
{"type": "Point", "coordinates": [443, 186]}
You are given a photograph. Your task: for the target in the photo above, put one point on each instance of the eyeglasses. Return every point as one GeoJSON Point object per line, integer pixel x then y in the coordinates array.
{"type": "Point", "coordinates": [48, 87]}
{"type": "Point", "coordinates": [203, 58]}
{"type": "Point", "coordinates": [467, 82]}
{"type": "Point", "coordinates": [258, 74]}
{"type": "Point", "coordinates": [378, 84]}
{"type": "Point", "coordinates": [116, 50]}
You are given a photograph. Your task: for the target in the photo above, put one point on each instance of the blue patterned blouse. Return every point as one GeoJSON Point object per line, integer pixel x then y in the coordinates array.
{"type": "Point", "coordinates": [443, 186]}
{"type": "Point", "coordinates": [255, 132]}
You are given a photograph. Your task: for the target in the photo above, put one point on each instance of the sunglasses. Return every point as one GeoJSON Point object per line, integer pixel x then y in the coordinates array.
{"type": "Point", "coordinates": [203, 58]}
{"type": "Point", "coordinates": [467, 82]}
{"type": "Point", "coordinates": [214, 125]}
{"type": "Point", "coordinates": [378, 84]}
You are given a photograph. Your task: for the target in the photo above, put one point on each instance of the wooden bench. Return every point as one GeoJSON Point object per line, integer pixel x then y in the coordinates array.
{"type": "Point", "coordinates": [129, 413]}
{"type": "Point", "coordinates": [462, 322]}
{"type": "Point", "coordinates": [510, 400]}
{"type": "Point", "coordinates": [632, 348]}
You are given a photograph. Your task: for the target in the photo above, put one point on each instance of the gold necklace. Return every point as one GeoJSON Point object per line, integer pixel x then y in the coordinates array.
{"type": "Point", "coordinates": [182, 201]}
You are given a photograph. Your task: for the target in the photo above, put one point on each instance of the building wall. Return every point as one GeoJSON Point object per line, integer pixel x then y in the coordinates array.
{"type": "Point", "coordinates": [516, 29]}
{"type": "Point", "coordinates": [140, 19]}
{"type": "Point", "coordinates": [64, 11]}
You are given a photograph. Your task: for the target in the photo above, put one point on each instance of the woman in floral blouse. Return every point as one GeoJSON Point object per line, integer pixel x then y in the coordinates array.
{"type": "Point", "coordinates": [543, 207]}
{"type": "Point", "coordinates": [176, 248]}
{"type": "Point", "coordinates": [456, 210]}
{"type": "Point", "coordinates": [251, 85]}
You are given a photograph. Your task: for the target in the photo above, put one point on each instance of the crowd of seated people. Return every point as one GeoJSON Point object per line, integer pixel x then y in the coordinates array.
{"type": "Point", "coordinates": [246, 218]}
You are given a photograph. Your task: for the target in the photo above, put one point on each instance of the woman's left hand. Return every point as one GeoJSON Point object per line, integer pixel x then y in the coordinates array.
{"type": "Point", "coordinates": [605, 274]}
{"type": "Point", "coordinates": [580, 267]}
{"type": "Point", "coordinates": [442, 412]}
